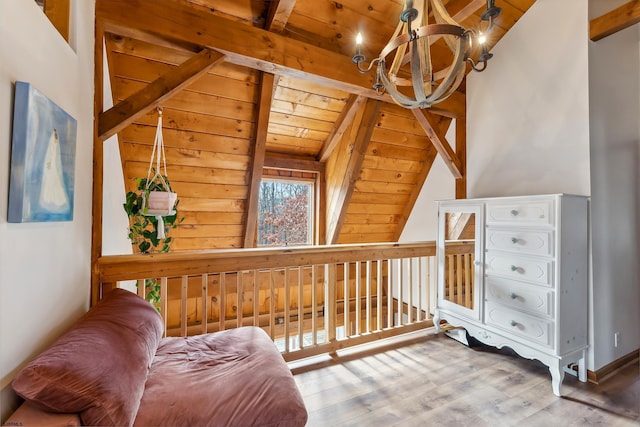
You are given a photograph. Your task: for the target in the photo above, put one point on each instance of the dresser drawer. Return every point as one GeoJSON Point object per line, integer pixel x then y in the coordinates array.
{"type": "Point", "coordinates": [530, 327]}
{"type": "Point", "coordinates": [520, 212]}
{"type": "Point", "coordinates": [520, 268]}
{"type": "Point", "coordinates": [521, 296]}
{"type": "Point", "coordinates": [528, 242]}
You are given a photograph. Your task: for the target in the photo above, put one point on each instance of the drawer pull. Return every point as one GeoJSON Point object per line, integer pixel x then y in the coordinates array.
{"type": "Point", "coordinates": [513, 323]}
{"type": "Point", "coordinates": [514, 212]}
{"type": "Point", "coordinates": [514, 240]}
{"type": "Point", "coordinates": [515, 268]}
{"type": "Point", "coordinates": [513, 296]}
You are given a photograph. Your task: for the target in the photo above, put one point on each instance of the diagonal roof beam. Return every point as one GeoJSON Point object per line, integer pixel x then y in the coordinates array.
{"type": "Point", "coordinates": [258, 156]}
{"type": "Point", "coordinates": [356, 156]}
{"type": "Point", "coordinates": [618, 19]}
{"type": "Point", "coordinates": [344, 121]}
{"type": "Point", "coordinates": [462, 10]}
{"type": "Point", "coordinates": [248, 46]}
{"type": "Point", "coordinates": [439, 140]}
{"type": "Point", "coordinates": [126, 112]}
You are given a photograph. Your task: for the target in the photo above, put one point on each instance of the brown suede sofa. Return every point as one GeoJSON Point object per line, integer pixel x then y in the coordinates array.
{"type": "Point", "coordinates": [114, 368]}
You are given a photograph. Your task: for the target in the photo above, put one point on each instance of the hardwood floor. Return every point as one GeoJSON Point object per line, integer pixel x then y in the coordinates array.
{"type": "Point", "coordinates": [436, 381]}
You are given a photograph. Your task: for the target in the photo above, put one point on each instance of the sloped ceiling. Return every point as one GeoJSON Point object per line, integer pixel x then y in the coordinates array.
{"type": "Point", "coordinates": [249, 84]}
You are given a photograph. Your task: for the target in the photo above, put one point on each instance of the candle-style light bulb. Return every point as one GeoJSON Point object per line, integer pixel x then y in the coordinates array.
{"type": "Point", "coordinates": [482, 38]}
{"type": "Point", "coordinates": [358, 56]}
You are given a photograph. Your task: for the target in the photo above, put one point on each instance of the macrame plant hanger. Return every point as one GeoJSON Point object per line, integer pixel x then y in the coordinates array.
{"type": "Point", "coordinates": [158, 203]}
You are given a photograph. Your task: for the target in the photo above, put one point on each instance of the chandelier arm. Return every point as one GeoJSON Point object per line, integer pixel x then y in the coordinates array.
{"type": "Point", "coordinates": [366, 70]}
{"type": "Point", "coordinates": [474, 65]}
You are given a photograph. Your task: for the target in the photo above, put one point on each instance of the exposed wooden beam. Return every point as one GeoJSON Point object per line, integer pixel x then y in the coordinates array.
{"type": "Point", "coordinates": [267, 87]}
{"type": "Point", "coordinates": [279, 13]}
{"type": "Point", "coordinates": [119, 30]}
{"type": "Point", "coordinates": [98, 164]}
{"type": "Point", "coordinates": [356, 156]}
{"type": "Point", "coordinates": [243, 44]}
{"type": "Point", "coordinates": [439, 140]}
{"type": "Point", "coordinates": [258, 156]}
{"type": "Point", "coordinates": [288, 162]}
{"type": "Point", "coordinates": [618, 19]}
{"type": "Point", "coordinates": [344, 120]}
{"type": "Point", "coordinates": [460, 10]}
{"type": "Point", "coordinates": [461, 151]}
{"type": "Point", "coordinates": [126, 112]}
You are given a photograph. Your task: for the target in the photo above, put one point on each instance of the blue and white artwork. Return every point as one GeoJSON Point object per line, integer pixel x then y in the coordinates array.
{"type": "Point", "coordinates": [43, 155]}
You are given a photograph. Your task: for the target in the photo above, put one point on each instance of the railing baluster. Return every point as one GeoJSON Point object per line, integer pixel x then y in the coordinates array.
{"type": "Point", "coordinates": [205, 302]}
{"type": "Point", "coordinates": [183, 305]}
{"type": "Point", "coordinates": [314, 309]}
{"type": "Point", "coordinates": [450, 280]}
{"type": "Point", "coordinates": [389, 294]}
{"type": "Point", "coordinates": [358, 297]}
{"type": "Point", "coordinates": [256, 298]}
{"type": "Point", "coordinates": [300, 308]}
{"type": "Point", "coordinates": [379, 293]}
{"type": "Point", "coordinates": [459, 294]}
{"type": "Point", "coordinates": [467, 281]}
{"type": "Point", "coordinates": [346, 311]}
{"type": "Point", "coordinates": [163, 304]}
{"type": "Point", "coordinates": [368, 295]}
{"type": "Point", "coordinates": [223, 300]}
{"type": "Point", "coordinates": [287, 297]}
{"type": "Point", "coordinates": [239, 299]}
{"type": "Point", "coordinates": [410, 290]}
{"type": "Point", "coordinates": [141, 288]}
{"type": "Point", "coordinates": [400, 294]}
{"type": "Point", "coordinates": [272, 305]}
{"type": "Point", "coordinates": [330, 302]}
{"type": "Point", "coordinates": [420, 283]}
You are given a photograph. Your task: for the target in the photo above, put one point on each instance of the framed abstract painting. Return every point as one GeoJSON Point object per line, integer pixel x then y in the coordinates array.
{"type": "Point", "coordinates": [43, 152]}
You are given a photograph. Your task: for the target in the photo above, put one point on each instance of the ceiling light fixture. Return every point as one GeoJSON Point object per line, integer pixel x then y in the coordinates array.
{"type": "Point", "coordinates": [413, 47]}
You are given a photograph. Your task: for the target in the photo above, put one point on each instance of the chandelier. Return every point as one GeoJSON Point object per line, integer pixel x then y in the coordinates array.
{"type": "Point", "coordinates": [413, 46]}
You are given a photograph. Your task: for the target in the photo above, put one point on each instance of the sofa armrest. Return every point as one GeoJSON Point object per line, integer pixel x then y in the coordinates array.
{"type": "Point", "coordinates": [29, 415]}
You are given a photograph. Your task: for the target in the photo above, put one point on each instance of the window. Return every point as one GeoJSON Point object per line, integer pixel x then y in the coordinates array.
{"type": "Point", "coordinates": [285, 212]}
{"type": "Point", "coordinates": [58, 12]}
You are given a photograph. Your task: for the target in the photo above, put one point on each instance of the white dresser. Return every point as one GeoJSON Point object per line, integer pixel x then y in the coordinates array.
{"type": "Point", "coordinates": [513, 271]}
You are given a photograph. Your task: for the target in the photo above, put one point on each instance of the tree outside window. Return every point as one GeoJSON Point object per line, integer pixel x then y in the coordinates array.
{"type": "Point", "coordinates": [285, 213]}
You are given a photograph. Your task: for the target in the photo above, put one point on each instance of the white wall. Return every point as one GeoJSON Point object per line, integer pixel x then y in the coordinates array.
{"type": "Point", "coordinates": [614, 75]}
{"type": "Point", "coordinates": [44, 267]}
{"type": "Point", "coordinates": [528, 117]}
{"type": "Point", "coordinates": [115, 223]}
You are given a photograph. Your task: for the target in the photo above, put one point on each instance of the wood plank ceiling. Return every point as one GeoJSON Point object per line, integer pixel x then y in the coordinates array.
{"type": "Point", "coordinates": [250, 84]}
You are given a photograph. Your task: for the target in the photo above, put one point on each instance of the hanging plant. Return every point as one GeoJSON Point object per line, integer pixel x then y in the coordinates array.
{"type": "Point", "coordinates": [145, 232]}
{"type": "Point", "coordinates": [153, 211]}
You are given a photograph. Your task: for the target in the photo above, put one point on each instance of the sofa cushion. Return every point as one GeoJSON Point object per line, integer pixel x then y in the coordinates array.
{"type": "Point", "coordinates": [98, 368]}
{"type": "Point", "coordinates": [231, 378]}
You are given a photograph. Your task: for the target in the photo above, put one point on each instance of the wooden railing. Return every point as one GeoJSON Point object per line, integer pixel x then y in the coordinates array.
{"type": "Point", "coordinates": [459, 273]}
{"type": "Point", "coordinates": [311, 300]}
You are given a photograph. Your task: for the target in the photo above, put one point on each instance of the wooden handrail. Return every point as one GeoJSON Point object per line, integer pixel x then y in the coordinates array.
{"type": "Point", "coordinates": [124, 267]}
{"type": "Point", "coordinates": [365, 292]}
